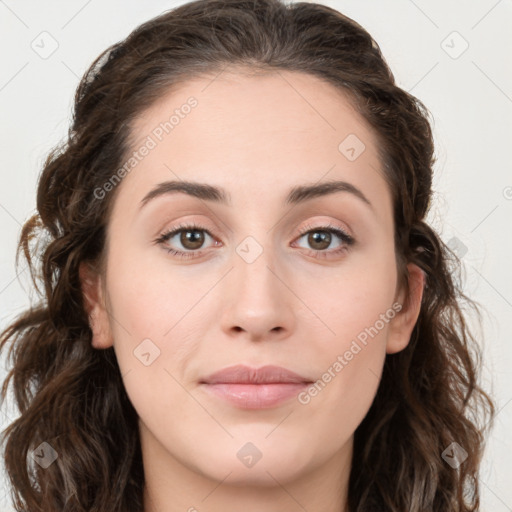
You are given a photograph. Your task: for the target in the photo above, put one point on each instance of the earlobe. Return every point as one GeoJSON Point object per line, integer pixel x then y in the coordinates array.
{"type": "Point", "coordinates": [95, 307]}
{"type": "Point", "coordinates": [402, 325]}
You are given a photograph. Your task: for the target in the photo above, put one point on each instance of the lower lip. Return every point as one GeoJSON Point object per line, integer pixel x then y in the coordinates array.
{"type": "Point", "coordinates": [256, 396]}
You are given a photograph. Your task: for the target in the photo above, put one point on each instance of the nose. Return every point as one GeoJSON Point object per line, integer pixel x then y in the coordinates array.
{"type": "Point", "coordinates": [258, 303]}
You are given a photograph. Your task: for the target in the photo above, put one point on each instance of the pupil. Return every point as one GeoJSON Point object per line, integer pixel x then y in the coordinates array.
{"type": "Point", "coordinates": [193, 237]}
{"type": "Point", "coordinates": [319, 237]}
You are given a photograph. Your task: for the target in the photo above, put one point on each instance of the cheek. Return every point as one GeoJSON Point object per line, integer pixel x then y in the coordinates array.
{"type": "Point", "coordinates": [352, 361]}
{"type": "Point", "coordinates": [155, 338]}
{"type": "Point", "coordinates": [154, 314]}
{"type": "Point", "coordinates": [356, 307]}
{"type": "Point", "coordinates": [353, 298]}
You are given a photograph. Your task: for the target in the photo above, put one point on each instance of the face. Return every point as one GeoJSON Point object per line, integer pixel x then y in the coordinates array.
{"type": "Point", "coordinates": [260, 274]}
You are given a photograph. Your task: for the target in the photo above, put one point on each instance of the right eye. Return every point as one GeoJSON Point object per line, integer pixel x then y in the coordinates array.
{"type": "Point", "coordinates": [191, 237]}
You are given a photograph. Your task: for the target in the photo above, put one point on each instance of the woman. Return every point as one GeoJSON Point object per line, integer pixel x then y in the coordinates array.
{"type": "Point", "coordinates": [242, 304]}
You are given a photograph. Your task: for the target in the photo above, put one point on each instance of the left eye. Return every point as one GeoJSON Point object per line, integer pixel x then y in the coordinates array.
{"type": "Point", "coordinates": [320, 238]}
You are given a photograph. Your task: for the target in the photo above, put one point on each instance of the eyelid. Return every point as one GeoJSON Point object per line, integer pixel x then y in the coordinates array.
{"type": "Point", "coordinates": [326, 225]}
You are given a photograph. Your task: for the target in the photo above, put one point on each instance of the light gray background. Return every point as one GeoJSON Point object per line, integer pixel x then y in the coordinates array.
{"type": "Point", "coordinates": [468, 93]}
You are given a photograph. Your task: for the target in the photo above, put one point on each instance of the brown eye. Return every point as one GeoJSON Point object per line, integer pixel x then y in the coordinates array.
{"type": "Point", "coordinates": [319, 240]}
{"type": "Point", "coordinates": [192, 239]}
{"type": "Point", "coordinates": [184, 241]}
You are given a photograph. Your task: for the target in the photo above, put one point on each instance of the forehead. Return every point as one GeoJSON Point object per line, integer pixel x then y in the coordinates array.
{"type": "Point", "coordinates": [255, 134]}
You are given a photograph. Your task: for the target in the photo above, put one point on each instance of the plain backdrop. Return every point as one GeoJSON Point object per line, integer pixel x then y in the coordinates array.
{"type": "Point", "coordinates": [453, 55]}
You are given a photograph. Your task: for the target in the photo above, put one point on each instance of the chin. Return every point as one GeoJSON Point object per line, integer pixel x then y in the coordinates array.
{"type": "Point", "coordinates": [251, 462]}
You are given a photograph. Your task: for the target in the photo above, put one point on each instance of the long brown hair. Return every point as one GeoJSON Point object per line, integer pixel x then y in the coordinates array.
{"type": "Point", "coordinates": [71, 395]}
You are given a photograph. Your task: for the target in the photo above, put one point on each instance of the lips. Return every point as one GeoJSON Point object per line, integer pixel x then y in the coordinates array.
{"type": "Point", "coordinates": [255, 388]}
{"type": "Point", "coordinates": [269, 374]}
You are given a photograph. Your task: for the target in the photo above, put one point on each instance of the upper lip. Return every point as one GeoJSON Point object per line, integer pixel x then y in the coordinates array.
{"type": "Point", "coordinates": [245, 375]}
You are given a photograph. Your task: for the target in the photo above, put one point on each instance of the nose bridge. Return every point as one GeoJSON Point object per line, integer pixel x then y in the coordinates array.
{"type": "Point", "coordinates": [258, 297]}
{"type": "Point", "coordinates": [254, 263]}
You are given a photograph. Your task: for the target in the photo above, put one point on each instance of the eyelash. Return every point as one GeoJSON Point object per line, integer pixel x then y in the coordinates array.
{"type": "Point", "coordinates": [345, 237]}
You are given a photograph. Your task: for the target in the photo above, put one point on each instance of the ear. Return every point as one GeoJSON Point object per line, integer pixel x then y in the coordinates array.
{"type": "Point", "coordinates": [401, 326]}
{"type": "Point", "coordinates": [95, 306]}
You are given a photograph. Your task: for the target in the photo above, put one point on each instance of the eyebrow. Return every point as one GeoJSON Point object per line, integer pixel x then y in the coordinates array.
{"type": "Point", "coordinates": [296, 195]}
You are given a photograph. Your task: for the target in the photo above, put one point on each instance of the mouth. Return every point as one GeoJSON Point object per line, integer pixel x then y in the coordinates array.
{"type": "Point", "coordinates": [250, 388]}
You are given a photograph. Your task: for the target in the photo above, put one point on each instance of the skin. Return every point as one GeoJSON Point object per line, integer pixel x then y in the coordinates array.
{"type": "Point", "coordinates": [255, 136]}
